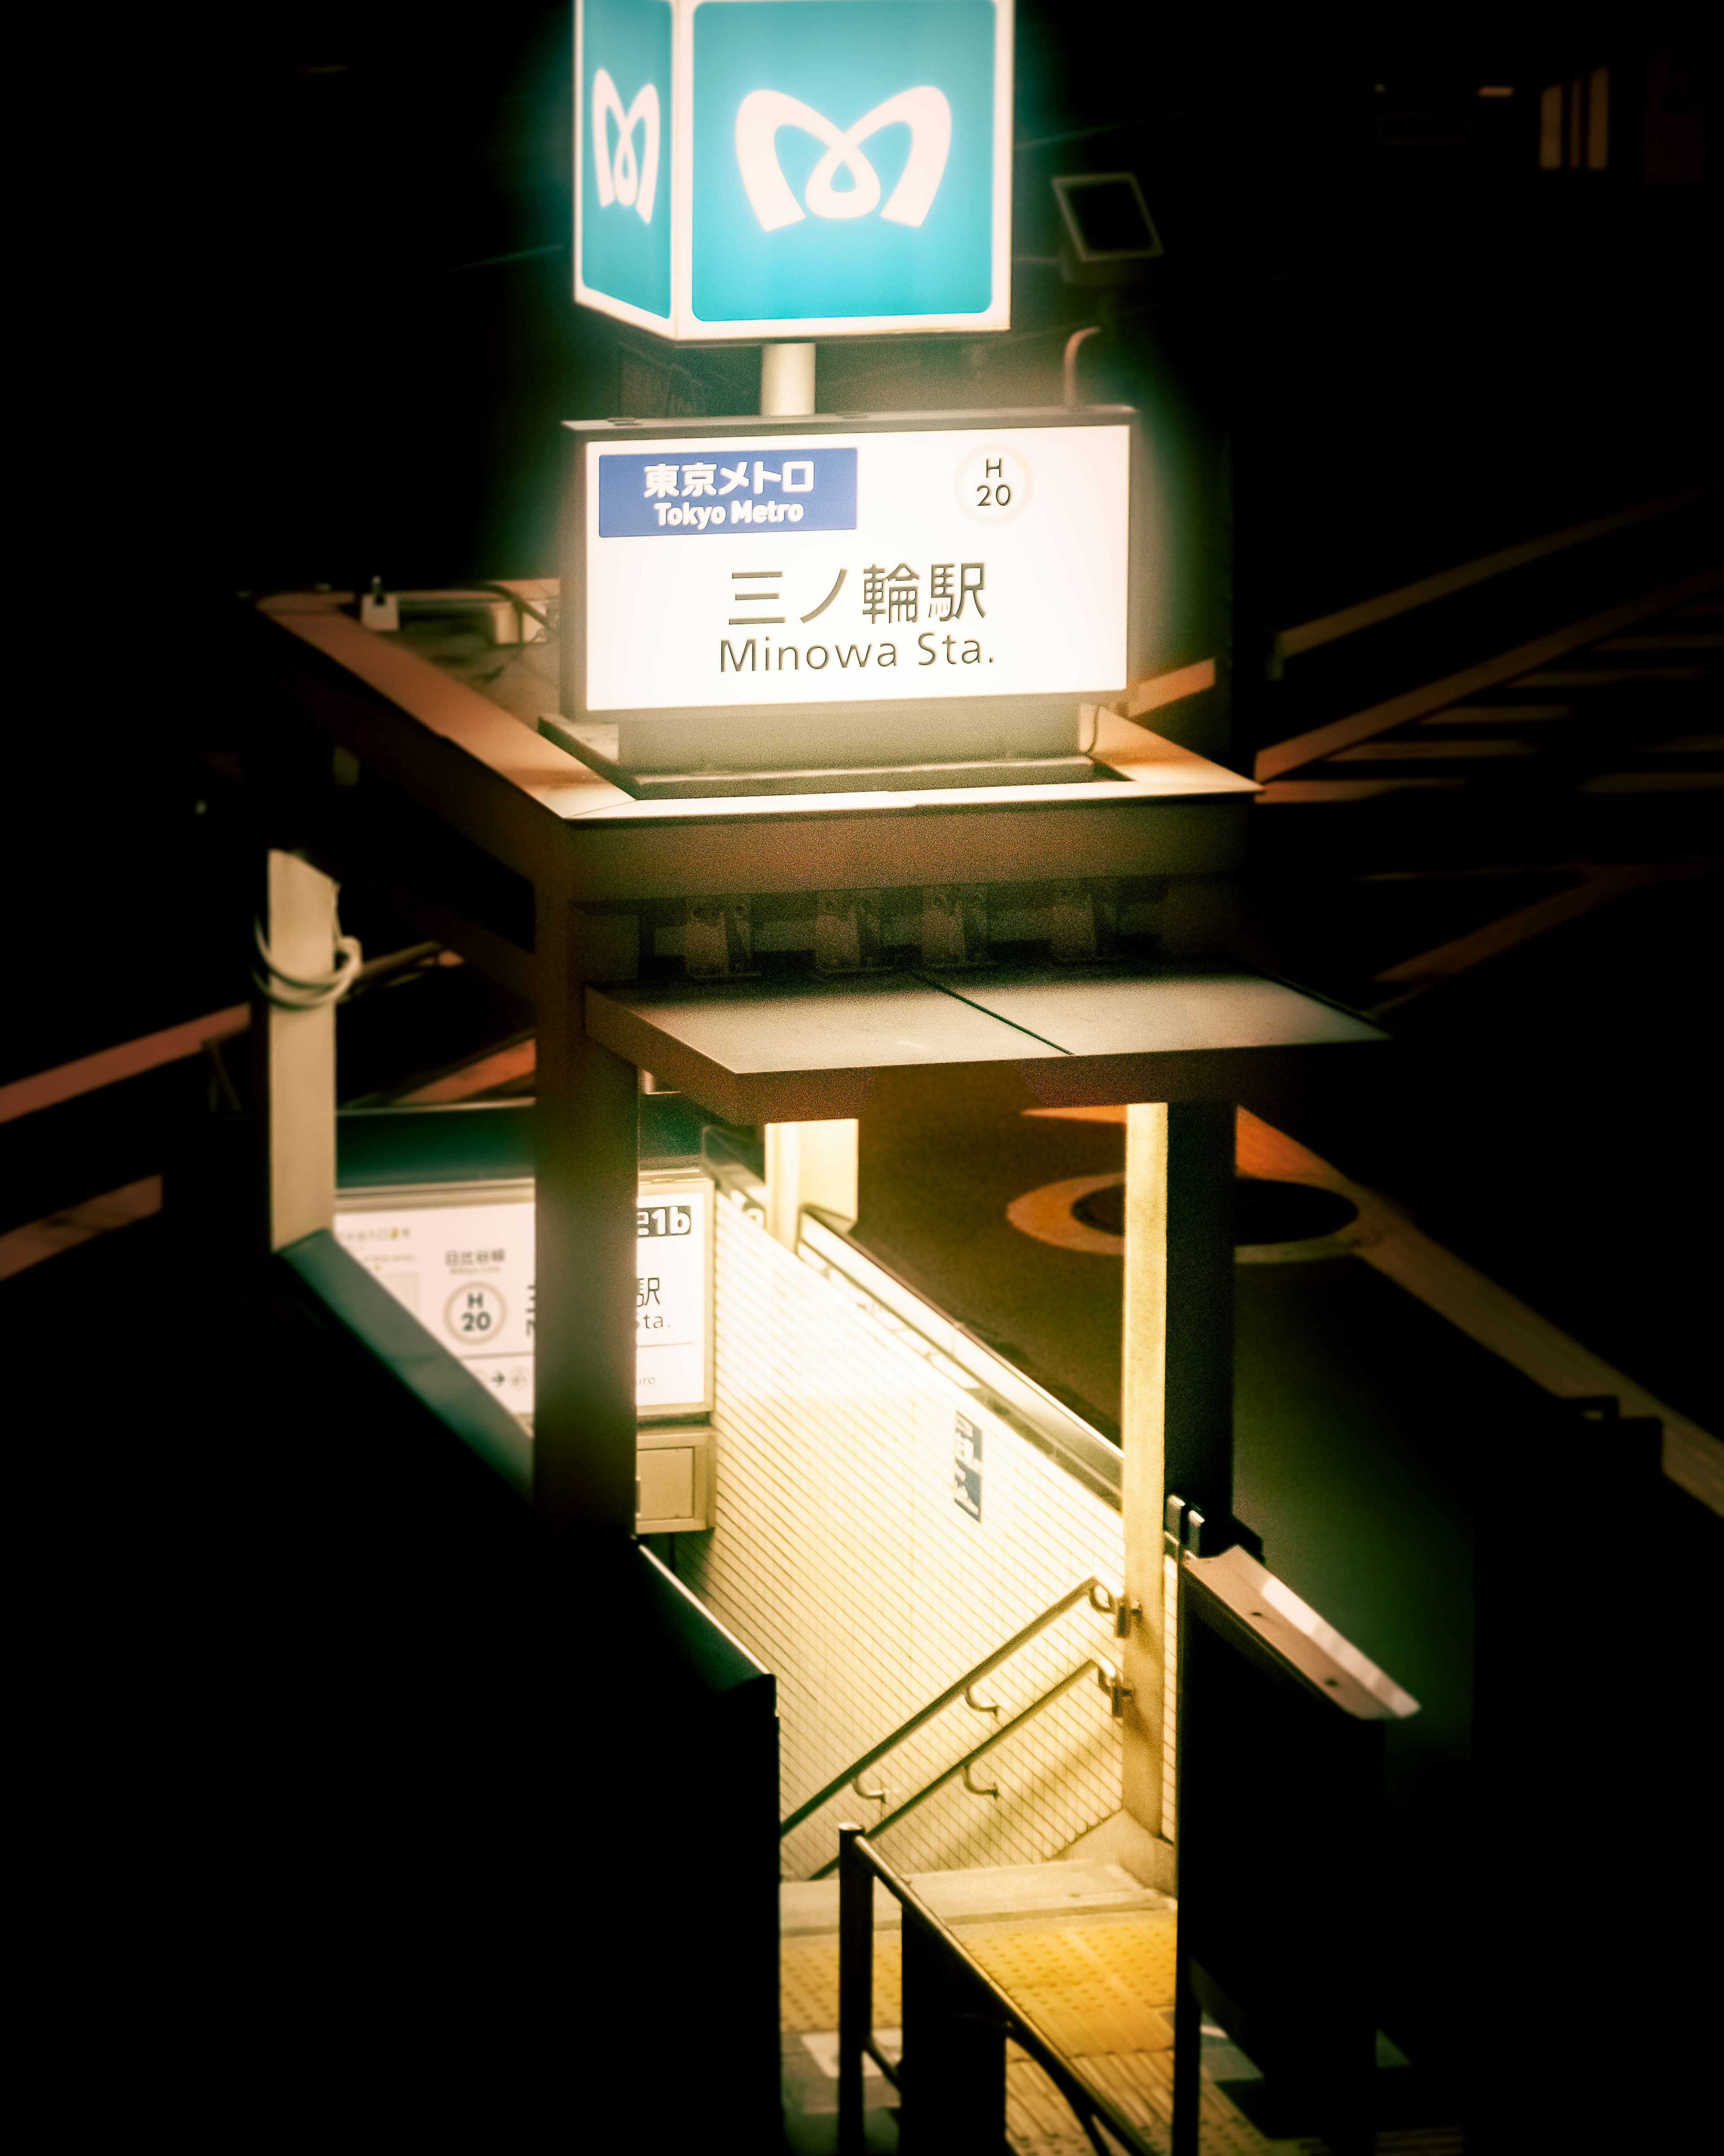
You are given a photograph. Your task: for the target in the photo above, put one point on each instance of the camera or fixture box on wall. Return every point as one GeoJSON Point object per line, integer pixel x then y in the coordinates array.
{"type": "Point", "coordinates": [1107, 235]}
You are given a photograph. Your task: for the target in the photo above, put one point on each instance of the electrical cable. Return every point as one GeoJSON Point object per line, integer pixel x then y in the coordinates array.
{"type": "Point", "coordinates": [525, 606]}
{"type": "Point", "coordinates": [288, 992]}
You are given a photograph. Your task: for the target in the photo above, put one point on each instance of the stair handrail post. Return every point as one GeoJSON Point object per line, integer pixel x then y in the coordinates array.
{"type": "Point", "coordinates": [855, 1986]}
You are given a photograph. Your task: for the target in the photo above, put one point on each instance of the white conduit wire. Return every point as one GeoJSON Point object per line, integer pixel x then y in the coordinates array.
{"type": "Point", "coordinates": [288, 992]}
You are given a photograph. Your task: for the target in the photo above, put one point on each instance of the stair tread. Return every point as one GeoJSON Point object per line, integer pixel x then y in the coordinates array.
{"type": "Point", "coordinates": [1027, 1890]}
{"type": "Point", "coordinates": [984, 1894]}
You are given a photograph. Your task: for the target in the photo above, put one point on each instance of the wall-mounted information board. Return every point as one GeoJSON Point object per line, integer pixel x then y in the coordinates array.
{"type": "Point", "coordinates": [672, 1295]}
{"type": "Point", "coordinates": [459, 1256]}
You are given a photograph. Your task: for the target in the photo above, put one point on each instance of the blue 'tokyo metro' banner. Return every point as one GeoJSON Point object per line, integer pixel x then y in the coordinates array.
{"type": "Point", "coordinates": [718, 490]}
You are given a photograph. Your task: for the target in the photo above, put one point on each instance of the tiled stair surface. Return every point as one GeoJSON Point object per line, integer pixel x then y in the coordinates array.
{"type": "Point", "coordinates": [1083, 1949]}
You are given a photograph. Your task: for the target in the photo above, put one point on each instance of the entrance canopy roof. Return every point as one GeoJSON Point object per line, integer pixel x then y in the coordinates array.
{"type": "Point", "coordinates": [798, 1051]}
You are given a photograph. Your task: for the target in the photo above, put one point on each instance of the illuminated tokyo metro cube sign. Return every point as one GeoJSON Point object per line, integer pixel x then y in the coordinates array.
{"type": "Point", "coordinates": [794, 168]}
{"type": "Point", "coordinates": [813, 568]}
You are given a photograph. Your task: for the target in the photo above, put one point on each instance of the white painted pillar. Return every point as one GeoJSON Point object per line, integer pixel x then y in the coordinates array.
{"type": "Point", "coordinates": [1177, 1415]}
{"type": "Point", "coordinates": [1143, 1436]}
{"type": "Point", "coordinates": [810, 1164]}
{"type": "Point", "coordinates": [299, 1073]}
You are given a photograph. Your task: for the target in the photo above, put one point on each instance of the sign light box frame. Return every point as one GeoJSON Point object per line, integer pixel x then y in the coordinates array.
{"type": "Point", "coordinates": [674, 186]}
{"type": "Point", "coordinates": [957, 718]}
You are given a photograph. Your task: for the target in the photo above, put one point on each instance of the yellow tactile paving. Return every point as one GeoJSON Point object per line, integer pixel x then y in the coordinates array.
{"type": "Point", "coordinates": [1095, 1988]}
{"type": "Point", "coordinates": [1038, 2122]}
{"type": "Point", "coordinates": [1101, 1990]}
{"type": "Point", "coordinates": [1140, 2084]}
{"type": "Point", "coordinates": [808, 1983]}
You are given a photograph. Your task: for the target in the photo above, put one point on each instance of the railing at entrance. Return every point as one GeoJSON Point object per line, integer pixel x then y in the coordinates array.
{"type": "Point", "coordinates": [951, 2077]}
{"type": "Point", "coordinates": [1109, 1679]}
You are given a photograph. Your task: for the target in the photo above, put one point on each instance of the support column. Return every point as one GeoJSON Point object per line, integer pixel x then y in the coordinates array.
{"type": "Point", "coordinates": [587, 1137]}
{"type": "Point", "coordinates": [787, 381]}
{"type": "Point", "coordinates": [1177, 1419]}
{"type": "Point", "coordinates": [1198, 1441]}
{"type": "Point", "coordinates": [299, 1072]}
{"type": "Point", "coordinates": [810, 1164]}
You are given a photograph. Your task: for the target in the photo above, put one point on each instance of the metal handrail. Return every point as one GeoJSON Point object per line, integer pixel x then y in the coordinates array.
{"type": "Point", "coordinates": [1110, 1682]}
{"type": "Point", "coordinates": [1108, 1605]}
{"type": "Point", "coordinates": [856, 1859]}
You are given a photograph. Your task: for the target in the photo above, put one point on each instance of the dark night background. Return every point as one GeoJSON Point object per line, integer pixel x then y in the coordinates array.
{"type": "Point", "coordinates": [306, 276]}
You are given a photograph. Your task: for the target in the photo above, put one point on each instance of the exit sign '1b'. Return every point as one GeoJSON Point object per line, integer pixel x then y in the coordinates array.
{"type": "Point", "coordinates": [794, 168]}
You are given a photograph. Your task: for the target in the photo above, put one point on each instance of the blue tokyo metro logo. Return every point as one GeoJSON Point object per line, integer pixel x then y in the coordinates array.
{"type": "Point", "coordinates": [620, 174]}
{"type": "Point", "coordinates": [925, 111]}
{"type": "Point", "coordinates": [625, 97]}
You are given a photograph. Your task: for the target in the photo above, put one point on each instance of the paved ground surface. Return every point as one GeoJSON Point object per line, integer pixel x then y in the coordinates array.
{"type": "Point", "coordinates": [1098, 1979]}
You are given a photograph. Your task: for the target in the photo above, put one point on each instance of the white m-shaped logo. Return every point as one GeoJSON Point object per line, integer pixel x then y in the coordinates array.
{"type": "Point", "coordinates": [763, 112]}
{"type": "Point", "coordinates": [622, 177]}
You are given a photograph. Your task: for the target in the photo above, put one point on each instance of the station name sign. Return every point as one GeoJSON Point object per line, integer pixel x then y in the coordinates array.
{"type": "Point", "coordinates": [804, 567]}
{"type": "Point", "coordinates": [791, 169]}
{"type": "Point", "coordinates": [462, 1260]}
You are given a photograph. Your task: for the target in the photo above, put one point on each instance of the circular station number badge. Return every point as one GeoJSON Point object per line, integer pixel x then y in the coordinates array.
{"type": "Point", "coordinates": [994, 485]}
{"type": "Point", "coordinates": [475, 1313]}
